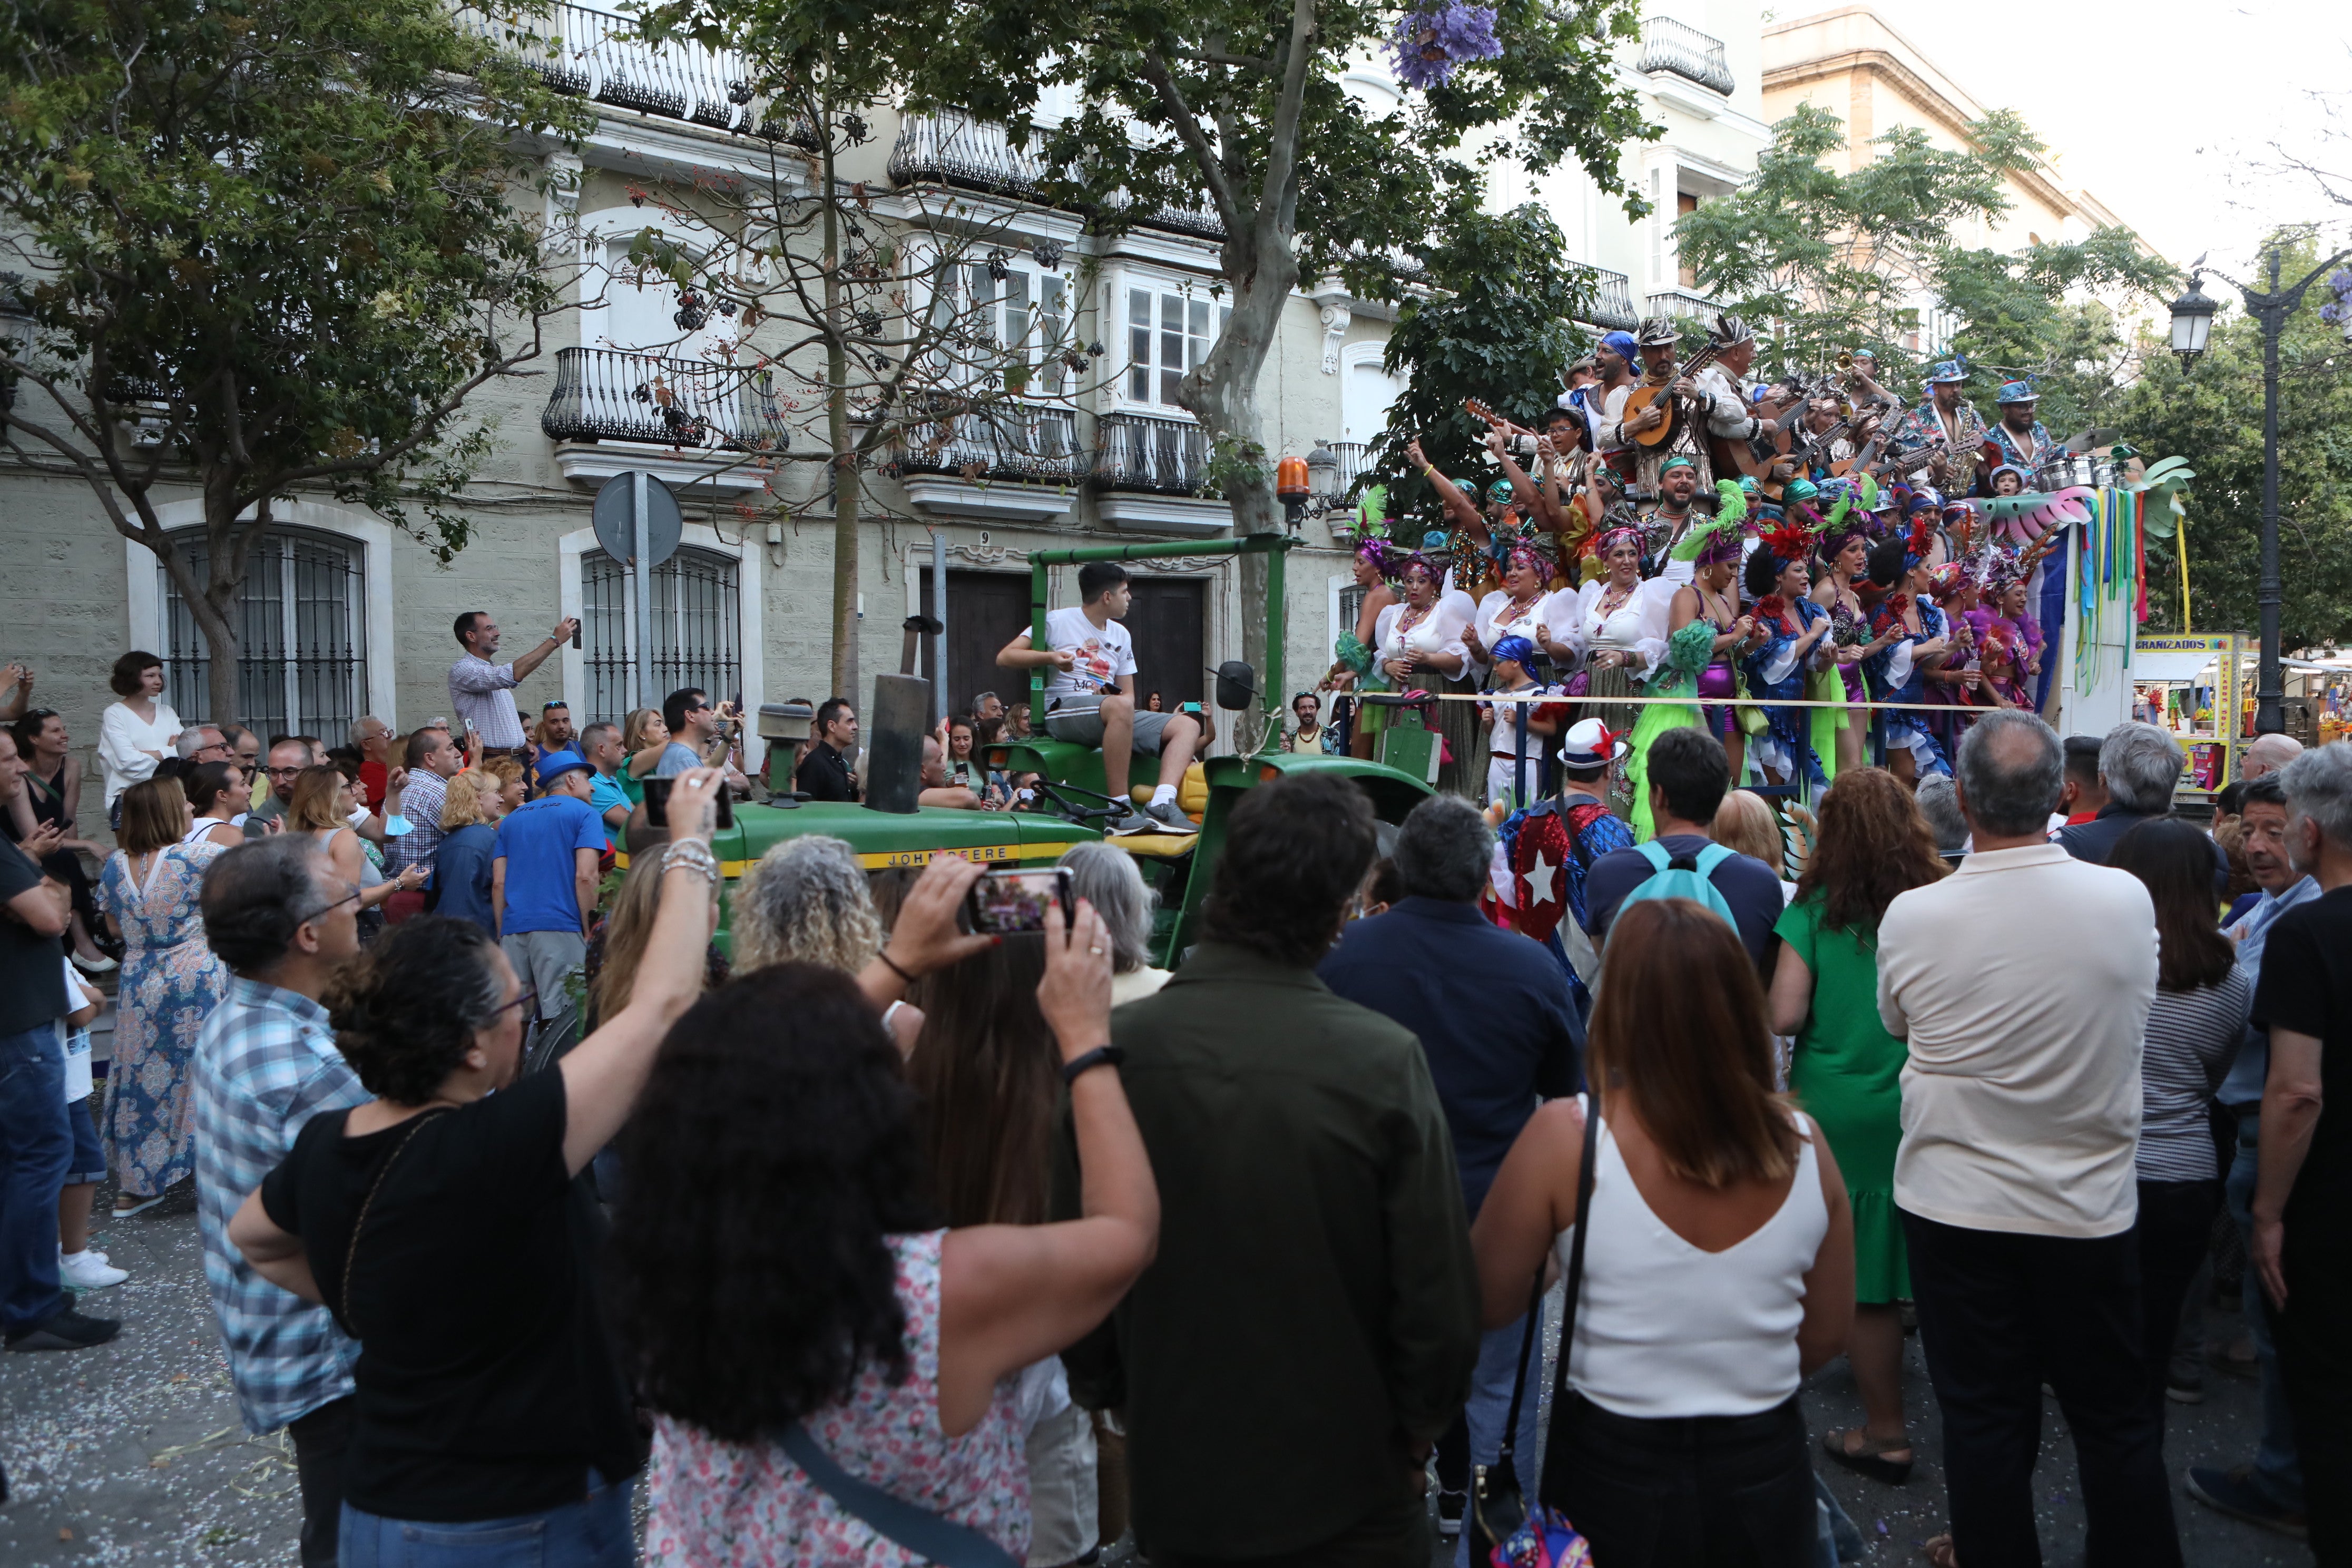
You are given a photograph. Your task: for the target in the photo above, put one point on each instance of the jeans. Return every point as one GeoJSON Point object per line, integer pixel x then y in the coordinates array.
{"type": "Point", "coordinates": [2000, 1314]}
{"type": "Point", "coordinates": [319, 1439]}
{"type": "Point", "coordinates": [591, 1533]}
{"type": "Point", "coordinates": [1704, 1492]}
{"type": "Point", "coordinates": [2176, 1223]}
{"type": "Point", "coordinates": [545, 960]}
{"type": "Point", "coordinates": [35, 1148]}
{"type": "Point", "coordinates": [1490, 1406]}
{"type": "Point", "coordinates": [2278, 1469]}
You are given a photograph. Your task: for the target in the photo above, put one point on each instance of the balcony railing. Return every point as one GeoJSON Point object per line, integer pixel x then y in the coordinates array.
{"type": "Point", "coordinates": [1157, 457]}
{"type": "Point", "coordinates": [1019, 442]}
{"type": "Point", "coordinates": [1677, 46]}
{"type": "Point", "coordinates": [597, 55]}
{"type": "Point", "coordinates": [1688, 302]}
{"type": "Point", "coordinates": [954, 149]}
{"type": "Point", "coordinates": [1354, 456]}
{"type": "Point", "coordinates": [1613, 299]}
{"type": "Point", "coordinates": [611, 395]}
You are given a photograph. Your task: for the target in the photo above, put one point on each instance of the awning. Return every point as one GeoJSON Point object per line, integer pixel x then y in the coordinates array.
{"type": "Point", "coordinates": [2179, 666]}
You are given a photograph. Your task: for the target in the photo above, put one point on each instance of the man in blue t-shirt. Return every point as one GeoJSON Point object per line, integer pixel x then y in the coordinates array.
{"type": "Point", "coordinates": [543, 878]}
{"type": "Point", "coordinates": [601, 744]}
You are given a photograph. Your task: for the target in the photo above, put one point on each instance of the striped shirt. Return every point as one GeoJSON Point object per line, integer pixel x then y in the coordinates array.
{"type": "Point", "coordinates": [2190, 1037]}
{"type": "Point", "coordinates": [483, 695]}
{"type": "Point", "coordinates": [265, 1064]}
{"type": "Point", "coordinates": [421, 802]}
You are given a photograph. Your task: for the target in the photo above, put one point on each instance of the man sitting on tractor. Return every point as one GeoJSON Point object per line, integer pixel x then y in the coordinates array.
{"type": "Point", "coordinates": [1091, 698]}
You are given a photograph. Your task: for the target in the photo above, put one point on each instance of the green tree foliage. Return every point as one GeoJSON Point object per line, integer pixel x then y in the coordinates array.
{"type": "Point", "coordinates": [267, 244]}
{"type": "Point", "coordinates": [2213, 416]}
{"type": "Point", "coordinates": [1496, 324]}
{"type": "Point", "coordinates": [1828, 261]}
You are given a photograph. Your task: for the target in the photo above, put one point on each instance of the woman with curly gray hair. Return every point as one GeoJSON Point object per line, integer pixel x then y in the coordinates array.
{"type": "Point", "coordinates": [1107, 878]}
{"type": "Point", "coordinates": [807, 901]}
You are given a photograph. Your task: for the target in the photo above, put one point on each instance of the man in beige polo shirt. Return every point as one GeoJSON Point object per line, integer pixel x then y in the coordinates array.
{"type": "Point", "coordinates": [2022, 983]}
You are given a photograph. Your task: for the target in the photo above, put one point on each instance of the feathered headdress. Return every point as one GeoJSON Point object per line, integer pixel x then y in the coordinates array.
{"type": "Point", "coordinates": [1720, 538]}
{"type": "Point", "coordinates": [1918, 543]}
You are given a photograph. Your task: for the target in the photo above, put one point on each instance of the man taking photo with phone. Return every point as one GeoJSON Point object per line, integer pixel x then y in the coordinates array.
{"type": "Point", "coordinates": [1091, 698]}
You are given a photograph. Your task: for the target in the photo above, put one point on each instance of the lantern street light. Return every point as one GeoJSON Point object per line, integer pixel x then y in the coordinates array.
{"type": "Point", "coordinates": [2192, 320]}
{"type": "Point", "coordinates": [2192, 317]}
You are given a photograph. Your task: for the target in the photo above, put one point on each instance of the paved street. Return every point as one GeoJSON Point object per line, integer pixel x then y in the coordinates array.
{"type": "Point", "coordinates": [133, 1454]}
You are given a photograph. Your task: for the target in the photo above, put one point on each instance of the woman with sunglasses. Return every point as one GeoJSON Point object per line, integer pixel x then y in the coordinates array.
{"type": "Point", "coordinates": [447, 1227]}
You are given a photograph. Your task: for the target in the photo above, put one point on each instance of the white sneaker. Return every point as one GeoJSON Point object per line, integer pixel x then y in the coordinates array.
{"type": "Point", "coordinates": [89, 1272]}
{"type": "Point", "coordinates": [92, 1252]}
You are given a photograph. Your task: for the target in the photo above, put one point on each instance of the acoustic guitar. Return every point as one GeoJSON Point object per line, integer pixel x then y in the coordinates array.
{"type": "Point", "coordinates": [1754, 459]}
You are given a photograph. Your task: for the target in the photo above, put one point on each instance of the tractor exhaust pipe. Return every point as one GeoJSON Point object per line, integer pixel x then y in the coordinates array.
{"type": "Point", "coordinates": [894, 749]}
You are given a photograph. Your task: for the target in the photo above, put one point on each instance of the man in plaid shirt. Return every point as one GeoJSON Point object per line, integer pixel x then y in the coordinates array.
{"type": "Point", "coordinates": [266, 1063]}
{"type": "Point", "coordinates": [432, 758]}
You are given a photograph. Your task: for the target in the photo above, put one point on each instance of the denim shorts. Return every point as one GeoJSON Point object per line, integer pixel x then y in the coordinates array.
{"type": "Point", "coordinates": [88, 1160]}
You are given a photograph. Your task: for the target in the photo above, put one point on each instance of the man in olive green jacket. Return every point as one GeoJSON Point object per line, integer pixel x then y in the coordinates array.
{"type": "Point", "coordinates": [1311, 1321]}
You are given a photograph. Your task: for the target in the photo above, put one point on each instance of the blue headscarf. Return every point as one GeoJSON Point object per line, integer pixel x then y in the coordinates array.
{"type": "Point", "coordinates": [1622, 344]}
{"type": "Point", "coordinates": [1517, 649]}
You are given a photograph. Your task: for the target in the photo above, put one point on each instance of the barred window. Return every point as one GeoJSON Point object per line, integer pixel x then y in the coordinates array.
{"type": "Point", "coordinates": [697, 630]}
{"type": "Point", "coordinates": [301, 621]}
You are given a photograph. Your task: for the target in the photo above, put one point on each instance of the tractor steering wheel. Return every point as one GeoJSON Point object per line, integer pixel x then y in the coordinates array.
{"type": "Point", "coordinates": [1078, 811]}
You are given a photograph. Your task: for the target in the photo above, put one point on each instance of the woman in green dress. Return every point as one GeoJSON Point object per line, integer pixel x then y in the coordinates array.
{"type": "Point", "coordinates": [1873, 844]}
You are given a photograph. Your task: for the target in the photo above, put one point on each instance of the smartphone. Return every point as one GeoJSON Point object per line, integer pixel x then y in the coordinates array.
{"type": "Point", "coordinates": [657, 804]}
{"type": "Point", "coordinates": [1016, 903]}
{"type": "Point", "coordinates": [575, 634]}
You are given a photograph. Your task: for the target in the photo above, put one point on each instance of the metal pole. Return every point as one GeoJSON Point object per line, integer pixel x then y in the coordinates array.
{"type": "Point", "coordinates": [2268, 718]}
{"type": "Point", "coordinates": [1271, 684]}
{"type": "Point", "coordinates": [939, 614]}
{"type": "Point", "coordinates": [640, 510]}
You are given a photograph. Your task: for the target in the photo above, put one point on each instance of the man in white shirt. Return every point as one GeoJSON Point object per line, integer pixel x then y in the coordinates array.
{"type": "Point", "coordinates": [483, 693]}
{"type": "Point", "coordinates": [2023, 984]}
{"type": "Point", "coordinates": [1091, 698]}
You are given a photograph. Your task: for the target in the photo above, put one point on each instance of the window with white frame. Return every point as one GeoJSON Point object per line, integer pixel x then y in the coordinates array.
{"type": "Point", "coordinates": [1168, 332]}
{"type": "Point", "coordinates": [1014, 327]}
{"type": "Point", "coordinates": [300, 616]}
{"type": "Point", "coordinates": [697, 628]}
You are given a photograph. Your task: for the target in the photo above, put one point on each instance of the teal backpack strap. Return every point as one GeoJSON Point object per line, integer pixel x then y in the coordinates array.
{"type": "Point", "coordinates": [1708, 859]}
{"type": "Point", "coordinates": [1654, 853]}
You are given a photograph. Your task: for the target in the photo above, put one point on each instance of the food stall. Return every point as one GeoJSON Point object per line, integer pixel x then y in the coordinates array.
{"type": "Point", "coordinates": [2200, 686]}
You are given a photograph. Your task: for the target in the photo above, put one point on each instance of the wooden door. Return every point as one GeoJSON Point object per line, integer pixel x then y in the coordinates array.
{"type": "Point", "coordinates": [985, 611]}
{"type": "Point", "coordinates": [1168, 618]}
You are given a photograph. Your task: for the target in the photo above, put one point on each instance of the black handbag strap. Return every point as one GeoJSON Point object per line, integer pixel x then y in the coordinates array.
{"type": "Point", "coordinates": [1575, 1286]}
{"type": "Point", "coordinates": [1576, 1247]}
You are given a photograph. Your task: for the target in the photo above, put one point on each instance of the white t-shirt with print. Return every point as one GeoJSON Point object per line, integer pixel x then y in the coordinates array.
{"type": "Point", "coordinates": [1101, 657]}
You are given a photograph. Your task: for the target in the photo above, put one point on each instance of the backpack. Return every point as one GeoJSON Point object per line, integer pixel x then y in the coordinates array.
{"type": "Point", "coordinates": [1682, 878]}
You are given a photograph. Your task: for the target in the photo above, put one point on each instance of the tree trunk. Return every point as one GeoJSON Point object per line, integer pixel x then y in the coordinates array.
{"type": "Point", "coordinates": [836, 423]}
{"type": "Point", "coordinates": [1223, 394]}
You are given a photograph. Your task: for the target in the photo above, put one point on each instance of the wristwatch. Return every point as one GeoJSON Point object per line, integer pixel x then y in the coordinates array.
{"type": "Point", "coordinates": [1101, 1055]}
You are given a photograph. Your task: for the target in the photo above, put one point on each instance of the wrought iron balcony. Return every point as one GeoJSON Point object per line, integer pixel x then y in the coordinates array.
{"type": "Point", "coordinates": [1688, 302]}
{"type": "Point", "coordinates": [1156, 456]}
{"type": "Point", "coordinates": [598, 55]}
{"type": "Point", "coordinates": [1019, 442]}
{"type": "Point", "coordinates": [611, 395]}
{"type": "Point", "coordinates": [952, 148]}
{"type": "Point", "coordinates": [1613, 299]}
{"type": "Point", "coordinates": [1354, 456]}
{"type": "Point", "coordinates": [1679, 47]}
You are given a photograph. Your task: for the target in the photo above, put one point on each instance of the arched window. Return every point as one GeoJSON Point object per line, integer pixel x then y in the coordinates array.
{"type": "Point", "coordinates": [696, 636]}
{"type": "Point", "coordinates": [302, 623]}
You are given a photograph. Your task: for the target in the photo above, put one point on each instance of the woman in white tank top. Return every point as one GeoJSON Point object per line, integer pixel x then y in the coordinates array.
{"type": "Point", "coordinates": [1718, 1261]}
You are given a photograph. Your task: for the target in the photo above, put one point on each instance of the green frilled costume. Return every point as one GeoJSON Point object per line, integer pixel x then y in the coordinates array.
{"type": "Point", "coordinates": [1689, 653]}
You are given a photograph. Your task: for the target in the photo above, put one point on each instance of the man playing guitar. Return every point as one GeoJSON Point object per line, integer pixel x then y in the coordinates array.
{"type": "Point", "coordinates": [1710, 404]}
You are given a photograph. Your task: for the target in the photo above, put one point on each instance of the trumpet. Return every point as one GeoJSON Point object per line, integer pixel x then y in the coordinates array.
{"type": "Point", "coordinates": [1844, 361]}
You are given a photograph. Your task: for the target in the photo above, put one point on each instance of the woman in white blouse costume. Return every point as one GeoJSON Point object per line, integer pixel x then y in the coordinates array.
{"type": "Point", "coordinates": [137, 732]}
{"type": "Point", "coordinates": [1615, 626]}
{"type": "Point", "coordinates": [1420, 640]}
{"type": "Point", "coordinates": [1515, 609]}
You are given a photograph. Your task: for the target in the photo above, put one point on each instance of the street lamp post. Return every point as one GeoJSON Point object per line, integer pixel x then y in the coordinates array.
{"type": "Point", "coordinates": [2192, 317]}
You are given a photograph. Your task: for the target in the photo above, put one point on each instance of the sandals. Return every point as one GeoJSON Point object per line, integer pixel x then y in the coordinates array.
{"type": "Point", "coordinates": [140, 1206]}
{"type": "Point", "coordinates": [1869, 1460]}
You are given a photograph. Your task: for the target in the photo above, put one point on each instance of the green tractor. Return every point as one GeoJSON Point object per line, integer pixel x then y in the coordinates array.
{"type": "Point", "coordinates": [1071, 806]}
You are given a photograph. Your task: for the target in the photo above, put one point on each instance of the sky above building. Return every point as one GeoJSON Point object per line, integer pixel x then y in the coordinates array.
{"type": "Point", "coordinates": [2181, 118]}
